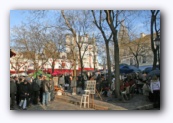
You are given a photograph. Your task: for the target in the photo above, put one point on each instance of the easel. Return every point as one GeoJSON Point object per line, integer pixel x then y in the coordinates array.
{"type": "Point", "coordinates": [92, 100]}
{"type": "Point", "coordinates": [91, 85]}
{"type": "Point", "coordinates": [99, 94]}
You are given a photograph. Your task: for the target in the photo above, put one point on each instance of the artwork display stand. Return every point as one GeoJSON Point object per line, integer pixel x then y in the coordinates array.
{"type": "Point", "coordinates": [91, 85]}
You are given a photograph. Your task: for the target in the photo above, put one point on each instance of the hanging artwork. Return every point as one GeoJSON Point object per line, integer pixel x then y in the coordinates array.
{"type": "Point", "coordinates": [91, 85]}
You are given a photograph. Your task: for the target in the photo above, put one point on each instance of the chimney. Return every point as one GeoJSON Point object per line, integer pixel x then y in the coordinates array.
{"type": "Point", "coordinates": [142, 35]}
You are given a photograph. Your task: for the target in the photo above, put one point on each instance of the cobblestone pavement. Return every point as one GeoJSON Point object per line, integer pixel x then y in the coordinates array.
{"type": "Point", "coordinates": [137, 102]}
{"type": "Point", "coordinates": [71, 102]}
{"type": "Point", "coordinates": [61, 105]}
{"type": "Point", "coordinates": [54, 105]}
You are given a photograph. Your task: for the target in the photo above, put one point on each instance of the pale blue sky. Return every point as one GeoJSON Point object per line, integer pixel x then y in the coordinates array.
{"type": "Point", "coordinates": [19, 16]}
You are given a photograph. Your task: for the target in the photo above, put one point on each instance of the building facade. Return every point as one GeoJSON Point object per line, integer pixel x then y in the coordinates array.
{"type": "Point", "coordinates": [66, 60]}
{"type": "Point", "coordinates": [138, 49]}
{"type": "Point", "coordinates": [84, 47]}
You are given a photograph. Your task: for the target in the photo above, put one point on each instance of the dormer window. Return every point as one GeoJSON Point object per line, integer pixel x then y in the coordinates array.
{"type": "Point", "coordinates": [63, 57]}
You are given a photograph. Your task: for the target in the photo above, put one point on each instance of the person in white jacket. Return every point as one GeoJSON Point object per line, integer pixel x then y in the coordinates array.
{"type": "Point", "coordinates": [155, 89]}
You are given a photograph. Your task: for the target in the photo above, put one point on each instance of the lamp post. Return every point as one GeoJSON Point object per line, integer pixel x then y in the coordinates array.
{"type": "Point", "coordinates": [43, 57]}
{"type": "Point", "coordinates": [157, 43]}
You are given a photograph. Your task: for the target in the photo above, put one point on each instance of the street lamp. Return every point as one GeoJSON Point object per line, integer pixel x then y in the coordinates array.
{"type": "Point", "coordinates": [157, 43]}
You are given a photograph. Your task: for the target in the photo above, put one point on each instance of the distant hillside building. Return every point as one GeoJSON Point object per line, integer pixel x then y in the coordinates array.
{"type": "Point", "coordinates": [140, 47]}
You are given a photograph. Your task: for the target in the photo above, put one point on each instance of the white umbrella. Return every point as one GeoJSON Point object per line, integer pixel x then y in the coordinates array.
{"type": "Point", "coordinates": [23, 74]}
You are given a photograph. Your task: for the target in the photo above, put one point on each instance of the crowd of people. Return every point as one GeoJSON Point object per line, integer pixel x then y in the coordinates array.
{"type": "Point", "coordinates": [26, 91]}
{"type": "Point", "coordinates": [131, 84]}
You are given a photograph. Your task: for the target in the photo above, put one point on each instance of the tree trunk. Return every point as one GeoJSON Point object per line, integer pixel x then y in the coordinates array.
{"type": "Point", "coordinates": [154, 60]}
{"type": "Point", "coordinates": [53, 67]}
{"type": "Point", "coordinates": [158, 57]}
{"type": "Point", "coordinates": [74, 70]}
{"type": "Point", "coordinates": [110, 22]}
{"type": "Point", "coordinates": [94, 62]}
{"type": "Point", "coordinates": [153, 18]}
{"type": "Point", "coordinates": [117, 70]}
{"type": "Point", "coordinates": [108, 62]}
{"type": "Point", "coordinates": [81, 63]}
{"type": "Point", "coordinates": [137, 61]}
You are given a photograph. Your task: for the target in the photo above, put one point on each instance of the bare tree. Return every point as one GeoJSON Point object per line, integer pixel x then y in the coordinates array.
{"type": "Point", "coordinates": [29, 39]}
{"type": "Point", "coordinates": [139, 47]}
{"type": "Point", "coordinates": [53, 46]}
{"type": "Point", "coordinates": [155, 26]}
{"type": "Point", "coordinates": [99, 21]}
{"type": "Point", "coordinates": [78, 24]}
{"type": "Point", "coordinates": [113, 22]}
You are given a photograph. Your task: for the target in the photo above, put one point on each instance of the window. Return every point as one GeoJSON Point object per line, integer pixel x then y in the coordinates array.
{"type": "Point", "coordinates": [63, 57]}
{"type": "Point", "coordinates": [131, 61]}
{"type": "Point", "coordinates": [144, 60]}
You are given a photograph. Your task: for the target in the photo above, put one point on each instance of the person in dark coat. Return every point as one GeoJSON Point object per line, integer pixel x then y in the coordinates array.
{"type": "Point", "coordinates": [30, 97]}
{"type": "Point", "coordinates": [67, 82]}
{"type": "Point", "coordinates": [36, 91]}
{"type": "Point", "coordinates": [24, 94]}
{"type": "Point", "coordinates": [98, 81]}
{"type": "Point", "coordinates": [18, 92]}
{"type": "Point", "coordinates": [39, 81]}
{"type": "Point", "coordinates": [21, 80]}
{"type": "Point", "coordinates": [13, 90]}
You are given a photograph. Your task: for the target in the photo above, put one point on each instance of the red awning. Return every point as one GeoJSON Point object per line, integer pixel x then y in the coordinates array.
{"type": "Point", "coordinates": [13, 72]}
{"type": "Point", "coordinates": [30, 71]}
{"type": "Point", "coordinates": [56, 73]}
{"type": "Point", "coordinates": [59, 71]}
